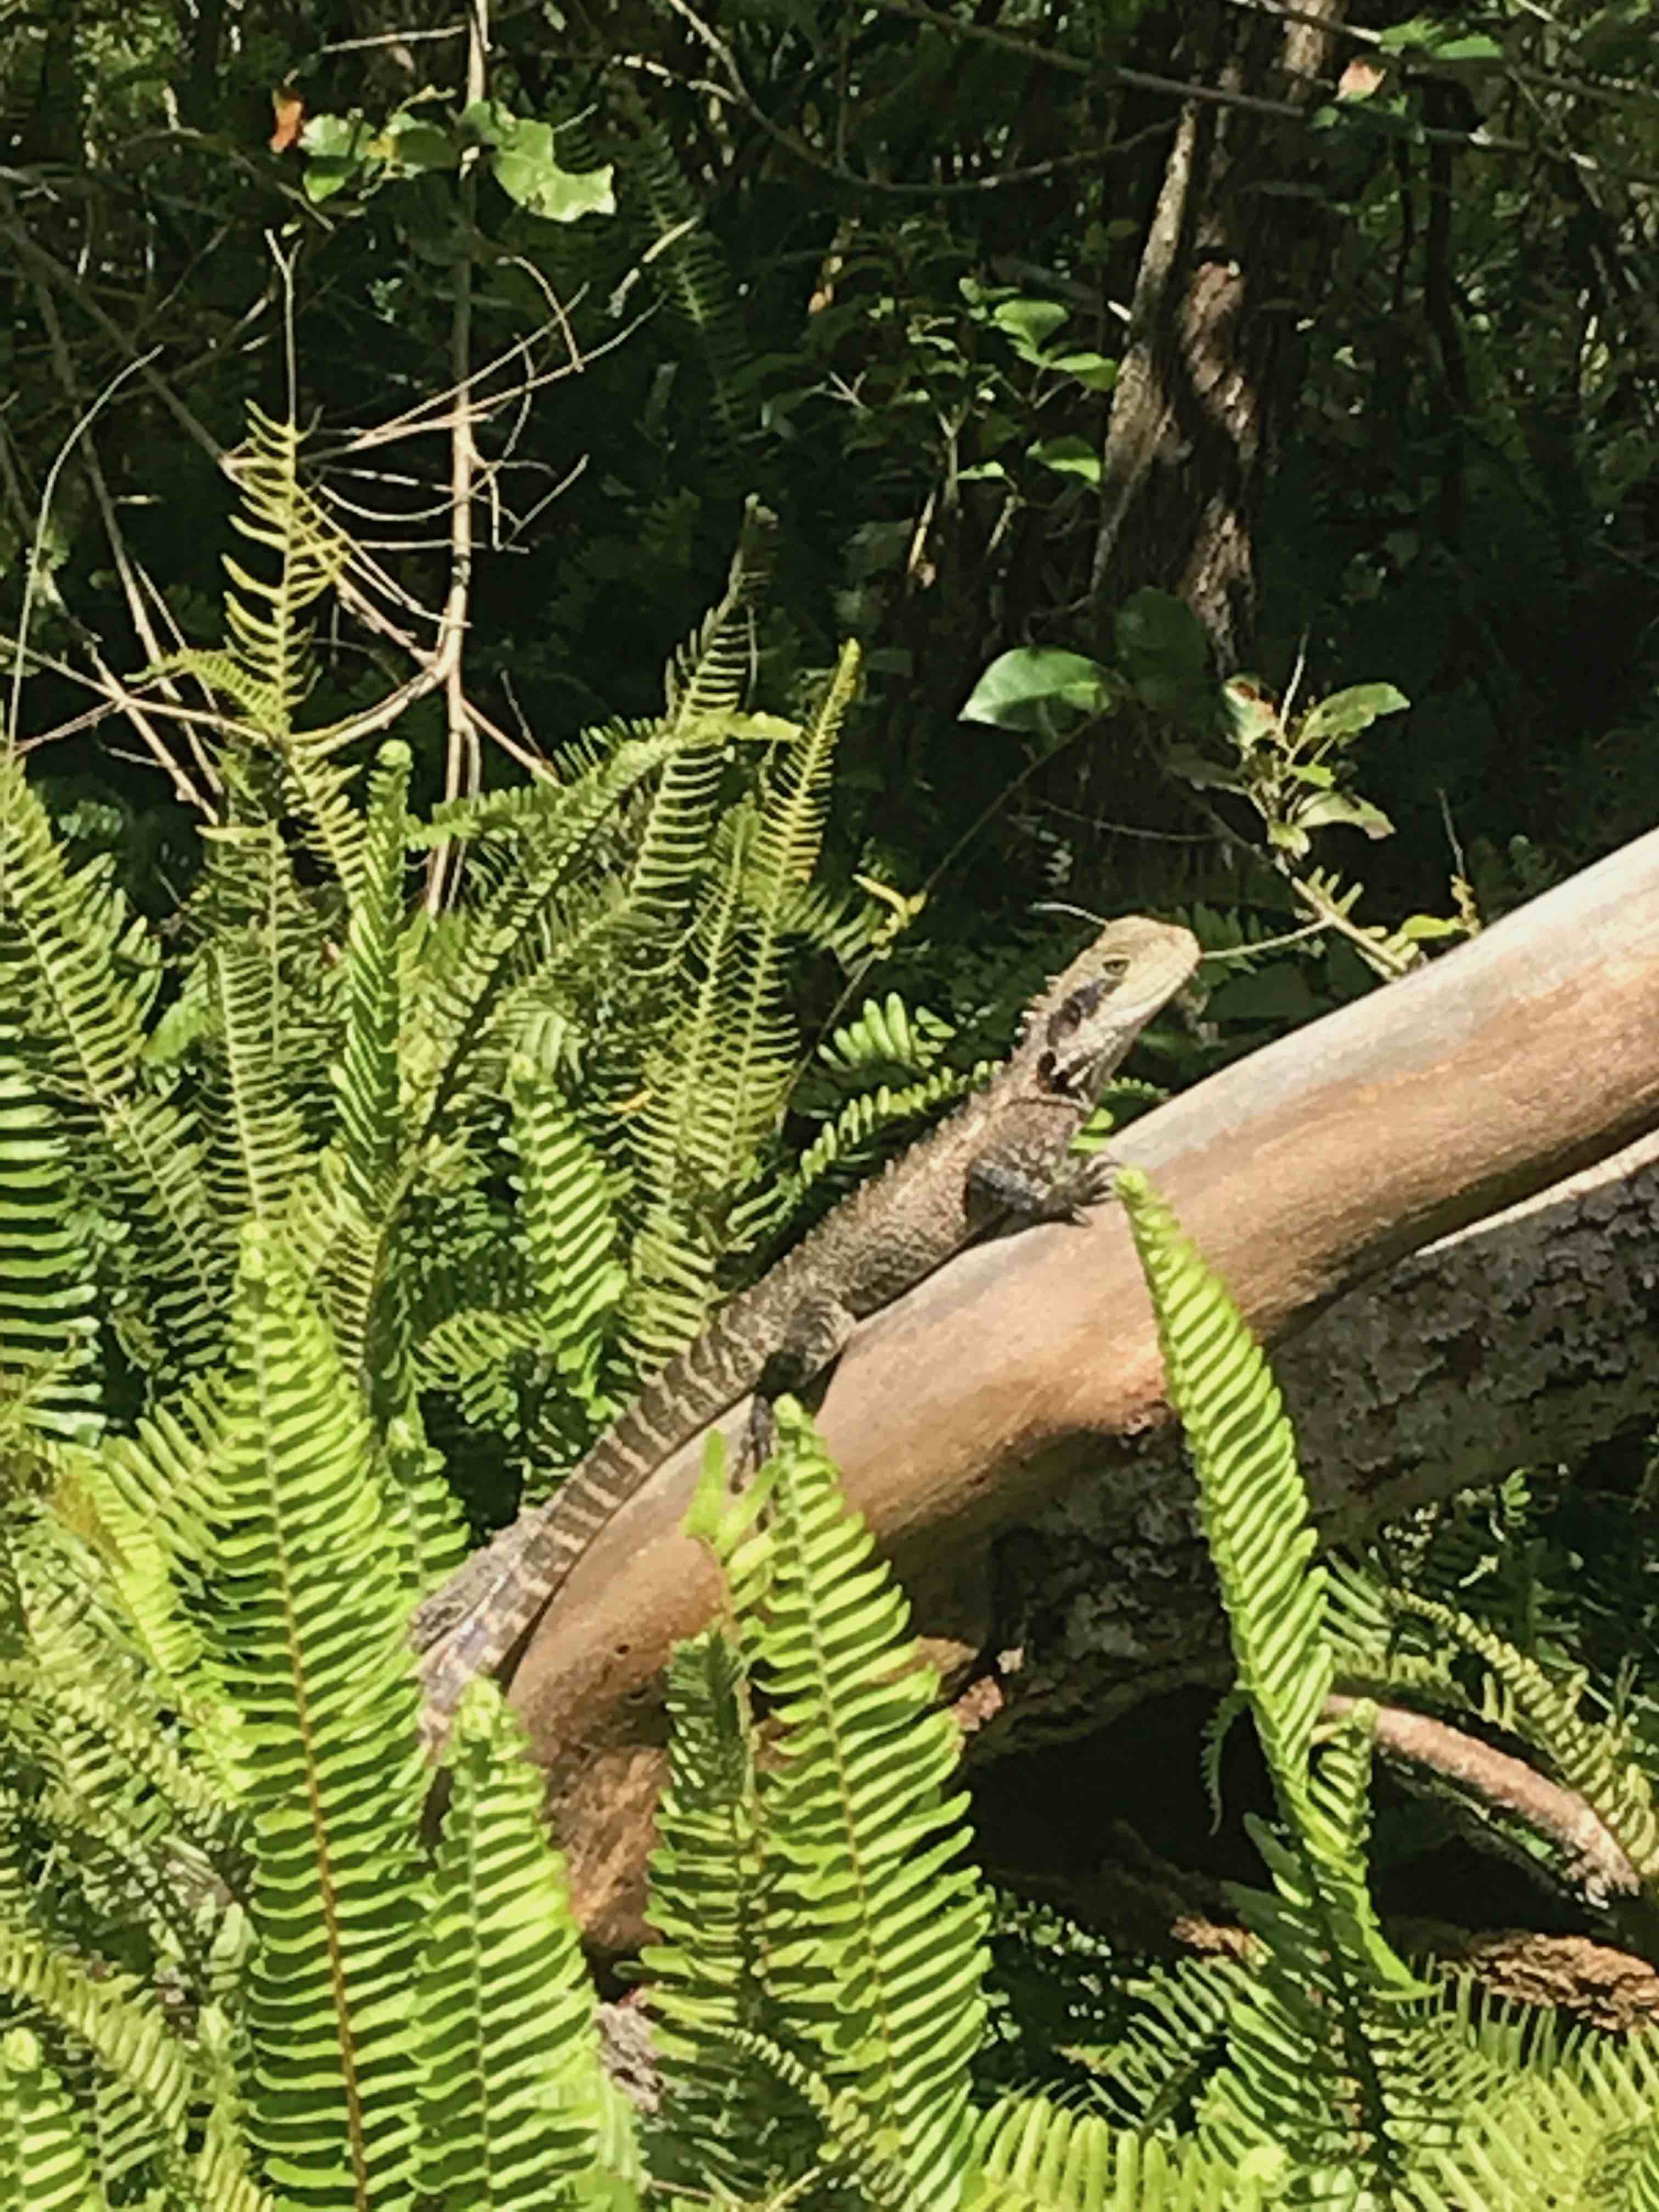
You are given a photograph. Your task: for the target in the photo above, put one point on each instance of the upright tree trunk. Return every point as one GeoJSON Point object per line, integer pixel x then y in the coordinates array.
{"type": "Point", "coordinates": [1229, 268]}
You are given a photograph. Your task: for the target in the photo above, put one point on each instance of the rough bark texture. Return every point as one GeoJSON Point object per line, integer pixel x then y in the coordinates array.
{"type": "Point", "coordinates": [1028, 1369]}
{"type": "Point", "coordinates": [1226, 269]}
{"type": "Point", "coordinates": [1521, 1340]}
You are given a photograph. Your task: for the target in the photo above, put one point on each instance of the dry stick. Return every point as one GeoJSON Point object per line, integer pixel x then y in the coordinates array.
{"type": "Point", "coordinates": [1588, 1853]}
{"type": "Point", "coordinates": [183, 786]}
{"type": "Point", "coordinates": [740, 97]}
{"type": "Point", "coordinates": [17, 236]}
{"type": "Point", "coordinates": [19, 654]}
{"type": "Point", "coordinates": [1479, 141]}
{"type": "Point", "coordinates": [421, 420]}
{"type": "Point", "coordinates": [433, 667]}
{"type": "Point", "coordinates": [117, 697]}
{"type": "Point", "coordinates": [463, 764]}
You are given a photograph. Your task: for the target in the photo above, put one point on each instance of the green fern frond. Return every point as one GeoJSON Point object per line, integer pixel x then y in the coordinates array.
{"type": "Point", "coordinates": [1640, 2147]}
{"type": "Point", "coordinates": [367, 1075]}
{"type": "Point", "coordinates": [1327, 2006]}
{"type": "Point", "coordinates": [1398, 1641]}
{"type": "Point", "coordinates": [164, 1475]}
{"type": "Point", "coordinates": [281, 515]}
{"type": "Point", "coordinates": [310, 1622]}
{"type": "Point", "coordinates": [123, 2027]}
{"type": "Point", "coordinates": [707, 680]}
{"type": "Point", "coordinates": [512, 2087]}
{"type": "Point", "coordinates": [671, 1290]}
{"type": "Point", "coordinates": [795, 798]}
{"type": "Point", "coordinates": [59, 928]}
{"type": "Point", "coordinates": [267, 671]}
{"type": "Point", "coordinates": [886, 1036]}
{"type": "Point", "coordinates": [863, 1131]}
{"type": "Point", "coordinates": [119, 1810]}
{"type": "Point", "coordinates": [48, 1321]}
{"type": "Point", "coordinates": [715, 1091]}
{"type": "Point", "coordinates": [264, 704]}
{"type": "Point", "coordinates": [458, 993]}
{"type": "Point", "coordinates": [785, 849]}
{"type": "Point", "coordinates": [58, 937]}
{"type": "Point", "coordinates": [710, 675]}
{"type": "Point", "coordinates": [171, 1310]}
{"type": "Point", "coordinates": [689, 266]}
{"type": "Point", "coordinates": [348, 1214]}
{"type": "Point", "coordinates": [264, 1140]}
{"type": "Point", "coordinates": [140, 1506]}
{"type": "Point", "coordinates": [519, 811]}
{"type": "Point", "coordinates": [344, 1254]}
{"type": "Point", "coordinates": [876, 1929]}
{"type": "Point", "coordinates": [854, 2159]}
{"type": "Point", "coordinates": [1577, 2132]}
{"type": "Point", "coordinates": [471, 1341]}
{"type": "Point", "coordinates": [569, 1230]}
{"type": "Point", "coordinates": [42, 2150]}
{"type": "Point", "coordinates": [707, 1902]}
{"type": "Point", "coordinates": [1033, 2155]}
{"type": "Point", "coordinates": [465, 1259]}
{"type": "Point", "coordinates": [1314, 2063]}
{"type": "Point", "coordinates": [677, 1158]}
{"type": "Point", "coordinates": [109, 1734]}
{"type": "Point", "coordinates": [1156, 2069]}
{"type": "Point", "coordinates": [1251, 1494]}
{"type": "Point", "coordinates": [137, 1553]}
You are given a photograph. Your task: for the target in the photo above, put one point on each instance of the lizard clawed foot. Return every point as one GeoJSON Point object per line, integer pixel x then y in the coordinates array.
{"type": "Point", "coordinates": [1089, 1183]}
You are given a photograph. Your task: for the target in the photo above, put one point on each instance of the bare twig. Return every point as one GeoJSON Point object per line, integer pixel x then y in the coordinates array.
{"type": "Point", "coordinates": [138, 607]}
{"type": "Point", "coordinates": [463, 762]}
{"type": "Point", "coordinates": [37, 550]}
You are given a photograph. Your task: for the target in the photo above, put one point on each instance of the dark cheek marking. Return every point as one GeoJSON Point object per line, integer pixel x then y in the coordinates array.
{"type": "Point", "coordinates": [1076, 1011]}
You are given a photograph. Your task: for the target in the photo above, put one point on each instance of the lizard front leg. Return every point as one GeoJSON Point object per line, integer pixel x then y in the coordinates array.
{"type": "Point", "coordinates": [1009, 1184]}
{"type": "Point", "coordinates": [815, 1336]}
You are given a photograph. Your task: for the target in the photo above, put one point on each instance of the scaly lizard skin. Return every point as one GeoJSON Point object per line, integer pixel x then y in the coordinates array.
{"type": "Point", "coordinates": [1002, 1159]}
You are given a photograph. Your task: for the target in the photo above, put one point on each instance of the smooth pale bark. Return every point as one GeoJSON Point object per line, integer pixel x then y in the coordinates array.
{"type": "Point", "coordinates": [1030, 1367]}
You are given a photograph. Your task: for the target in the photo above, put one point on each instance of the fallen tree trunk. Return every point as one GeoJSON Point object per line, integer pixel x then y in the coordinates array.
{"type": "Point", "coordinates": [1521, 1340]}
{"type": "Point", "coordinates": [1028, 1369]}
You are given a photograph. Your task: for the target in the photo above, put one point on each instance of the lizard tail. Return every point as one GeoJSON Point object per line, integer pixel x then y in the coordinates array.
{"type": "Point", "coordinates": [471, 1625]}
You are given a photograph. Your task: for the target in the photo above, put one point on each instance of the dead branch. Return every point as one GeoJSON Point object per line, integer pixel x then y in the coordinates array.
{"type": "Point", "coordinates": [1028, 1371]}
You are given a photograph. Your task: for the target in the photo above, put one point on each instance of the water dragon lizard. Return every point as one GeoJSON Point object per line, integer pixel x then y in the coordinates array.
{"type": "Point", "coordinates": [1002, 1159]}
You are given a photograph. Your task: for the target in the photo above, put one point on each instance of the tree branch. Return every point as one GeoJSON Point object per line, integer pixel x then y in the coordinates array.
{"type": "Point", "coordinates": [1028, 1369]}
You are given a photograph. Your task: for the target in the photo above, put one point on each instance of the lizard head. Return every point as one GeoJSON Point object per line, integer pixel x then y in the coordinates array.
{"type": "Point", "coordinates": [1087, 1019]}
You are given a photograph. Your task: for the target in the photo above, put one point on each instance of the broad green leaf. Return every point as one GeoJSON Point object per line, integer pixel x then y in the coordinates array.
{"type": "Point", "coordinates": [522, 160]}
{"type": "Point", "coordinates": [1340, 807]}
{"type": "Point", "coordinates": [338, 147]}
{"type": "Point", "coordinates": [421, 146]}
{"type": "Point", "coordinates": [1020, 688]}
{"type": "Point", "coordinates": [1202, 773]}
{"type": "Point", "coordinates": [1096, 370]}
{"type": "Point", "coordinates": [1069, 457]}
{"type": "Point", "coordinates": [1345, 713]}
{"type": "Point", "coordinates": [1029, 323]}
